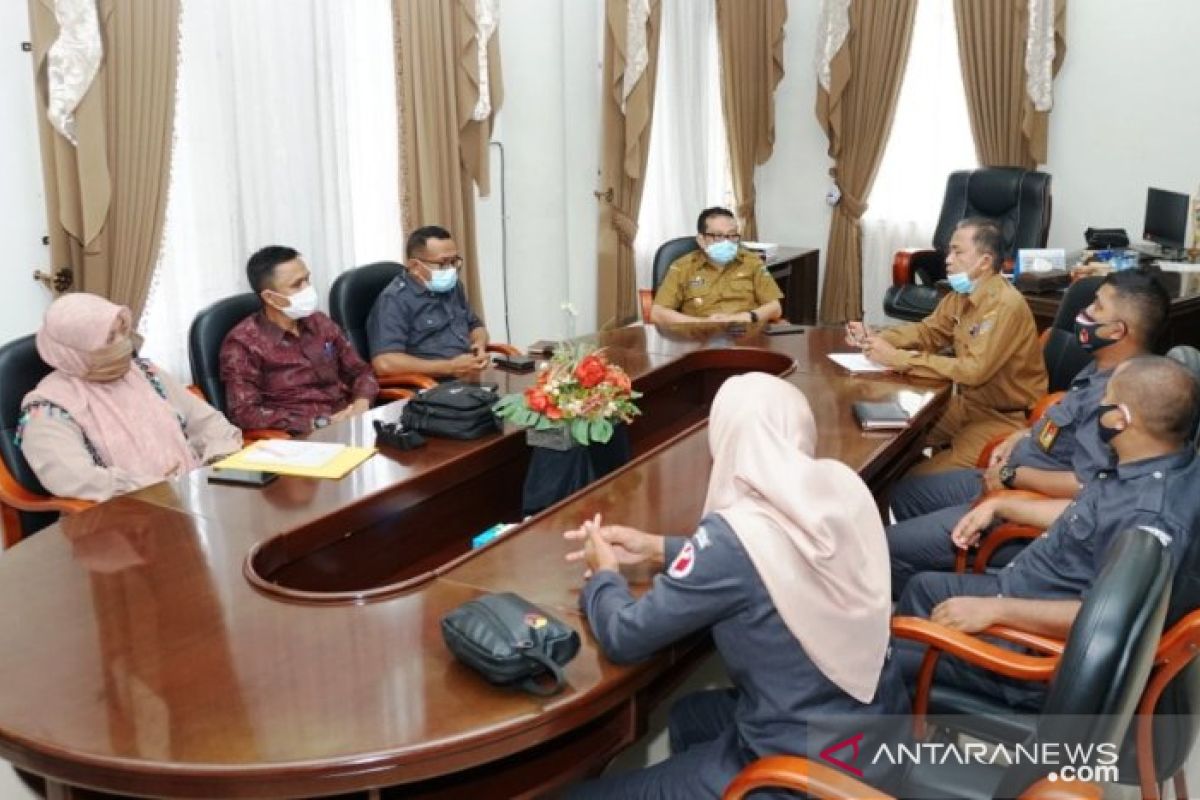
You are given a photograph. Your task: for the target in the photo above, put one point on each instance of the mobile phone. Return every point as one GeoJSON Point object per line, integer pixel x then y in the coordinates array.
{"type": "Point", "coordinates": [515, 363]}
{"type": "Point", "coordinates": [783, 328]}
{"type": "Point", "coordinates": [241, 477]}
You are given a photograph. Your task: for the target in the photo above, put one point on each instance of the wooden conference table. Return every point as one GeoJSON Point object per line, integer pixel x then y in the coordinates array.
{"type": "Point", "coordinates": [196, 640]}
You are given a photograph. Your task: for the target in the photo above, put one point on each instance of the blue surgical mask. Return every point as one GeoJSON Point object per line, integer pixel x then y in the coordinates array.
{"type": "Point", "coordinates": [442, 280]}
{"type": "Point", "coordinates": [960, 282]}
{"type": "Point", "coordinates": [721, 252]}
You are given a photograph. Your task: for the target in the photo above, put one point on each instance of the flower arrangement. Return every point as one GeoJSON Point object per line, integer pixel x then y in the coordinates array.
{"type": "Point", "coordinates": [577, 389]}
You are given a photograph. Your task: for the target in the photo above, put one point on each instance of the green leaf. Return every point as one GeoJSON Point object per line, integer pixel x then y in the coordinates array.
{"type": "Point", "coordinates": [545, 423]}
{"type": "Point", "coordinates": [601, 430]}
{"type": "Point", "coordinates": [579, 430]}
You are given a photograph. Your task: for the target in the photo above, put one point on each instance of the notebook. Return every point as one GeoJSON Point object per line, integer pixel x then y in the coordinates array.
{"type": "Point", "coordinates": [888, 416]}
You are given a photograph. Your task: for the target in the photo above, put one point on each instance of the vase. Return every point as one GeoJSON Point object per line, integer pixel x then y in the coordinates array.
{"type": "Point", "coordinates": [559, 466]}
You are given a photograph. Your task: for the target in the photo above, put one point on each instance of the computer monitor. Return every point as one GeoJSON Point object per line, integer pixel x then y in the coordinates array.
{"type": "Point", "coordinates": [1166, 219]}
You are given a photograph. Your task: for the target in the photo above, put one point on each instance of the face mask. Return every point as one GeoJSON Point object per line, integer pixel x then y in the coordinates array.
{"type": "Point", "coordinates": [1085, 333]}
{"type": "Point", "coordinates": [721, 252]}
{"type": "Point", "coordinates": [301, 304]}
{"type": "Point", "coordinates": [960, 282]}
{"type": "Point", "coordinates": [111, 362]}
{"type": "Point", "coordinates": [442, 280]}
{"type": "Point", "coordinates": [1107, 434]}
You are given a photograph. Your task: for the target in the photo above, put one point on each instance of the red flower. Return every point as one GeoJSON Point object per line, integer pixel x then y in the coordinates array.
{"type": "Point", "coordinates": [553, 412]}
{"type": "Point", "coordinates": [536, 400]}
{"type": "Point", "coordinates": [617, 377]}
{"type": "Point", "coordinates": [590, 372]}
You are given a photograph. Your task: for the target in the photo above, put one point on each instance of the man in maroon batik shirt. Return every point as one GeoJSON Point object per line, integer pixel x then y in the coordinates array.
{"type": "Point", "coordinates": [289, 366]}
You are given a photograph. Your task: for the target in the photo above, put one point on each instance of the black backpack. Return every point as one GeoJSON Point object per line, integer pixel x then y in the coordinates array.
{"type": "Point", "coordinates": [454, 409]}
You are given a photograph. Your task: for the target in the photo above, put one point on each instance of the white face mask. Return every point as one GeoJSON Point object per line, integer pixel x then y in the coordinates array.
{"type": "Point", "coordinates": [301, 304]}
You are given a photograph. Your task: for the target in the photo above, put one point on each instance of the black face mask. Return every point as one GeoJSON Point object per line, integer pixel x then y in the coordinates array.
{"type": "Point", "coordinates": [1085, 333]}
{"type": "Point", "coordinates": [1107, 434]}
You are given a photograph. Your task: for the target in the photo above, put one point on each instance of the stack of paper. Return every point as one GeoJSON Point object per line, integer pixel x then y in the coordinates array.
{"type": "Point", "coordinates": [305, 459]}
{"type": "Point", "coordinates": [856, 362]}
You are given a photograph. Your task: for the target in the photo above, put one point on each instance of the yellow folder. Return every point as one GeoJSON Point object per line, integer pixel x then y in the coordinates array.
{"type": "Point", "coordinates": [335, 468]}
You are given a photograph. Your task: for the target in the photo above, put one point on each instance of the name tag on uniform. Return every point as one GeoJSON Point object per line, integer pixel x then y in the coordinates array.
{"type": "Point", "coordinates": [983, 327]}
{"type": "Point", "coordinates": [695, 283]}
{"type": "Point", "coordinates": [1048, 436]}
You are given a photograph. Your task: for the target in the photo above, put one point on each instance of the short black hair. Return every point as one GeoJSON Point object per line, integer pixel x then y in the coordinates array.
{"type": "Point", "coordinates": [1141, 292]}
{"type": "Point", "coordinates": [709, 213]}
{"type": "Point", "coordinates": [421, 236]}
{"type": "Point", "coordinates": [260, 269]}
{"type": "Point", "coordinates": [987, 238]}
{"type": "Point", "coordinates": [1162, 393]}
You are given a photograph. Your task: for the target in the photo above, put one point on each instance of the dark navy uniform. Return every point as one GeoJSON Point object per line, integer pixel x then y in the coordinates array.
{"type": "Point", "coordinates": [927, 507]}
{"type": "Point", "coordinates": [409, 318]}
{"type": "Point", "coordinates": [1158, 495]}
{"type": "Point", "coordinates": [712, 584]}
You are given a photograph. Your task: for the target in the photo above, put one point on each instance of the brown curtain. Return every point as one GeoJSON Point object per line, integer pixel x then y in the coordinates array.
{"type": "Point", "coordinates": [750, 39]}
{"type": "Point", "coordinates": [857, 114]}
{"type": "Point", "coordinates": [624, 147]}
{"type": "Point", "coordinates": [443, 151]}
{"type": "Point", "coordinates": [106, 199]}
{"type": "Point", "coordinates": [1008, 131]}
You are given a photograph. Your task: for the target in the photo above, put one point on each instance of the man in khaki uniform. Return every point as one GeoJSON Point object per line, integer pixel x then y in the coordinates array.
{"type": "Point", "coordinates": [997, 364]}
{"type": "Point", "coordinates": [719, 282]}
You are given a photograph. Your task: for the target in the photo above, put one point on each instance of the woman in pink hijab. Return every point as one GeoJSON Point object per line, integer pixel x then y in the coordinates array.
{"type": "Point", "coordinates": [106, 422]}
{"type": "Point", "coordinates": [789, 572]}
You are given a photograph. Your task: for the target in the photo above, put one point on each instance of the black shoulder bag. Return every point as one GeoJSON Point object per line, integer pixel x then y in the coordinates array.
{"type": "Point", "coordinates": [454, 410]}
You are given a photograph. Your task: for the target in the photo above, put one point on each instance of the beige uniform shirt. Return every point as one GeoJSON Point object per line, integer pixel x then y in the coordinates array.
{"type": "Point", "coordinates": [997, 361]}
{"type": "Point", "coordinates": [695, 287]}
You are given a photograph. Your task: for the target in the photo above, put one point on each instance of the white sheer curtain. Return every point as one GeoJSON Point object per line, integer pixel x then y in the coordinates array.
{"type": "Point", "coordinates": [688, 166]}
{"type": "Point", "coordinates": [285, 133]}
{"type": "Point", "coordinates": [931, 137]}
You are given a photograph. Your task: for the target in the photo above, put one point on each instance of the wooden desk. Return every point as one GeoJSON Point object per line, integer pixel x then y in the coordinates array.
{"type": "Point", "coordinates": [795, 270]}
{"type": "Point", "coordinates": [196, 640]}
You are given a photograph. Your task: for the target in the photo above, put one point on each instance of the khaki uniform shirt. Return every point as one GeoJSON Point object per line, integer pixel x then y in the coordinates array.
{"type": "Point", "coordinates": [997, 361]}
{"type": "Point", "coordinates": [695, 287]}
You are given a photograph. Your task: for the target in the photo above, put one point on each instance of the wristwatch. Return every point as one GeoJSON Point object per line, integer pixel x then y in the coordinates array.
{"type": "Point", "coordinates": [320, 422]}
{"type": "Point", "coordinates": [1008, 476]}
{"type": "Point", "coordinates": [754, 316]}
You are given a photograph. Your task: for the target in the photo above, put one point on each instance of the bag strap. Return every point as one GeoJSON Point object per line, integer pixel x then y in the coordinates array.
{"type": "Point", "coordinates": [532, 686]}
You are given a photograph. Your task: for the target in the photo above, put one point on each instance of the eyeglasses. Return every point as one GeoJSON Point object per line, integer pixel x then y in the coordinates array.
{"type": "Point", "coordinates": [724, 237]}
{"type": "Point", "coordinates": [452, 263]}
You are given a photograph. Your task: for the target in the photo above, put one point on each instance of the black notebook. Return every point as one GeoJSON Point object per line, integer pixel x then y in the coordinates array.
{"type": "Point", "coordinates": [881, 416]}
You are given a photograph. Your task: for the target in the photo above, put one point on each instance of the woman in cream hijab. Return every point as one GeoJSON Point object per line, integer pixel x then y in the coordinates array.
{"type": "Point", "coordinates": [105, 422]}
{"type": "Point", "coordinates": [788, 570]}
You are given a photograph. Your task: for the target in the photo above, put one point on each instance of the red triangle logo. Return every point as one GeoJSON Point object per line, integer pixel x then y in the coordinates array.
{"type": "Point", "coordinates": [852, 742]}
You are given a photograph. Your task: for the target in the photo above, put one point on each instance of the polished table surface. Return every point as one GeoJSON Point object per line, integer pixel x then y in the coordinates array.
{"type": "Point", "coordinates": [202, 640]}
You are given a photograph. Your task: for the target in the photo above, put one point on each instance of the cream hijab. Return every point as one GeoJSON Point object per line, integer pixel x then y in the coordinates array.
{"type": "Point", "coordinates": [810, 526]}
{"type": "Point", "coordinates": [132, 427]}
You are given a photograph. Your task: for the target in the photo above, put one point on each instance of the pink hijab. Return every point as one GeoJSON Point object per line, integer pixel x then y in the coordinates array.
{"type": "Point", "coordinates": [132, 427]}
{"type": "Point", "coordinates": [810, 527]}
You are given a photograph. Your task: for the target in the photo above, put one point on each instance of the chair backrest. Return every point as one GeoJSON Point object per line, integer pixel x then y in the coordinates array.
{"type": "Point", "coordinates": [1108, 655]}
{"type": "Point", "coordinates": [1061, 351]}
{"type": "Point", "coordinates": [205, 336]}
{"type": "Point", "coordinates": [667, 253]}
{"type": "Point", "coordinates": [353, 295]}
{"type": "Point", "coordinates": [1018, 199]}
{"type": "Point", "coordinates": [20, 370]}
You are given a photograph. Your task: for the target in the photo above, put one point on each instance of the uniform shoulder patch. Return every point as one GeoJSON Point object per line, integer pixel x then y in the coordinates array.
{"type": "Point", "coordinates": [1048, 435]}
{"type": "Point", "coordinates": [683, 564]}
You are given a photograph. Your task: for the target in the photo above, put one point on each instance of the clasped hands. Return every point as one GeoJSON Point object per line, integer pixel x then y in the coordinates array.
{"type": "Point", "coordinates": [873, 346]}
{"type": "Point", "coordinates": [610, 546]}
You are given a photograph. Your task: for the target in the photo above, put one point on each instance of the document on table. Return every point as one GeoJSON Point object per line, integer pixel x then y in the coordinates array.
{"type": "Point", "coordinates": [292, 457]}
{"type": "Point", "coordinates": [856, 362]}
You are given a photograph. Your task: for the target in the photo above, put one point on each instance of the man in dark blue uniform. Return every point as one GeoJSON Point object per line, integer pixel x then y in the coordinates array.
{"type": "Point", "coordinates": [421, 322]}
{"type": "Point", "coordinates": [1146, 415]}
{"type": "Point", "coordinates": [1059, 454]}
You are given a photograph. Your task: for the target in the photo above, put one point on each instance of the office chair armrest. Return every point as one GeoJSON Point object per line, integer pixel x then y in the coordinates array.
{"type": "Point", "coordinates": [646, 300]}
{"type": "Point", "coordinates": [15, 495]}
{"type": "Point", "coordinates": [391, 395]}
{"type": "Point", "coordinates": [801, 775]}
{"type": "Point", "coordinates": [1034, 641]}
{"type": "Point", "coordinates": [506, 349]}
{"type": "Point", "coordinates": [985, 455]}
{"type": "Point", "coordinates": [906, 262]}
{"type": "Point", "coordinates": [257, 434]}
{"type": "Point", "coordinates": [413, 380]}
{"type": "Point", "coordinates": [1042, 406]}
{"type": "Point", "coordinates": [973, 650]}
{"type": "Point", "coordinates": [1062, 789]}
{"type": "Point", "coordinates": [1008, 532]}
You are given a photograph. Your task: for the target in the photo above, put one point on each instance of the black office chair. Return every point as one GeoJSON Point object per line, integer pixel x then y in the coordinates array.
{"type": "Point", "coordinates": [25, 505]}
{"type": "Point", "coordinates": [1092, 694]}
{"type": "Point", "coordinates": [205, 336]}
{"type": "Point", "coordinates": [353, 295]}
{"type": "Point", "coordinates": [1018, 199]}
{"type": "Point", "coordinates": [667, 254]}
{"type": "Point", "coordinates": [1060, 348]}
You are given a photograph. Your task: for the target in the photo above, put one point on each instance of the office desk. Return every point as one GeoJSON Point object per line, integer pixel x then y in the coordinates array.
{"type": "Point", "coordinates": [795, 270]}
{"type": "Point", "coordinates": [196, 640]}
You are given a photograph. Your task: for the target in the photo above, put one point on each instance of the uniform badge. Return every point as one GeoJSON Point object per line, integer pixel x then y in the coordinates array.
{"type": "Point", "coordinates": [695, 283]}
{"type": "Point", "coordinates": [701, 539]}
{"type": "Point", "coordinates": [1048, 435]}
{"type": "Point", "coordinates": [535, 621]}
{"type": "Point", "coordinates": [681, 567]}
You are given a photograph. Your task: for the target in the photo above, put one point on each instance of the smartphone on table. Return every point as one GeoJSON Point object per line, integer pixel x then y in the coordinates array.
{"type": "Point", "coordinates": [241, 477]}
